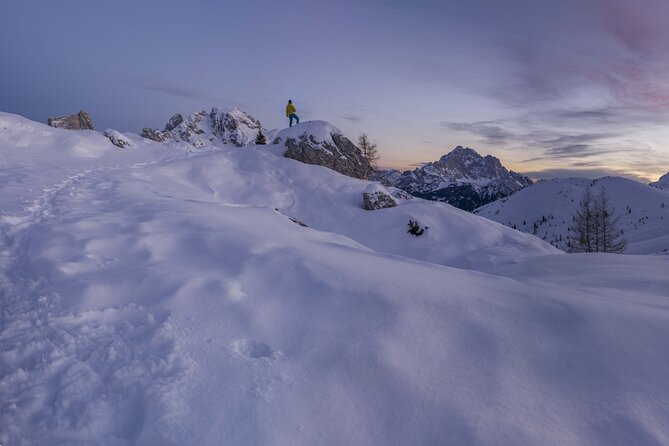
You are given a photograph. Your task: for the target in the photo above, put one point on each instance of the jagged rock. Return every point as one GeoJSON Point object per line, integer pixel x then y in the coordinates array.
{"type": "Point", "coordinates": [202, 128]}
{"type": "Point", "coordinates": [318, 142]}
{"type": "Point", "coordinates": [174, 121]}
{"type": "Point", "coordinates": [78, 121]}
{"type": "Point", "coordinates": [117, 138]}
{"type": "Point", "coordinates": [462, 178]}
{"type": "Point", "coordinates": [153, 135]}
{"type": "Point", "coordinates": [376, 196]}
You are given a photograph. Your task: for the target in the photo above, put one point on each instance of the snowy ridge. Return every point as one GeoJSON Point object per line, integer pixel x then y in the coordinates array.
{"type": "Point", "coordinates": [662, 183]}
{"type": "Point", "coordinates": [546, 209]}
{"type": "Point", "coordinates": [158, 296]}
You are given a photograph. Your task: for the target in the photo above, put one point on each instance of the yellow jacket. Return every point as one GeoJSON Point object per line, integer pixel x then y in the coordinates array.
{"type": "Point", "coordinates": [290, 109]}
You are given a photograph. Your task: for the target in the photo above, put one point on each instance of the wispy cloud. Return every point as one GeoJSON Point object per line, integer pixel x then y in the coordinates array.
{"type": "Point", "coordinates": [492, 132]}
{"type": "Point", "coordinates": [171, 88]}
{"type": "Point", "coordinates": [351, 117]}
{"type": "Point", "coordinates": [582, 173]}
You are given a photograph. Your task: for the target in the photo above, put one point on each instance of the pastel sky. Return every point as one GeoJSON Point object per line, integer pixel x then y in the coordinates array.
{"type": "Point", "coordinates": [551, 87]}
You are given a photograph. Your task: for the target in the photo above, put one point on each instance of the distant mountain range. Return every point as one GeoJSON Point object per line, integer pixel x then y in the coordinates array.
{"type": "Point", "coordinates": [462, 178]}
{"type": "Point", "coordinates": [546, 210]}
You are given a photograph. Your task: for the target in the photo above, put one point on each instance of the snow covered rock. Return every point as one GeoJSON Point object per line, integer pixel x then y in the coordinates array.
{"type": "Point", "coordinates": [662, 183]}
{"type": "Point", "coordinates": [78, 121]}
{"type": "Point", "coordinates": [462, 178]}
{"type": "Point", "coordinates": [202, 128]}
{"type": "Point", "coordinates": [376, 196]}
{"type": "Point", "coordinates": [319, 142]}
{"type": "Point", "coordinates": [117, 138]}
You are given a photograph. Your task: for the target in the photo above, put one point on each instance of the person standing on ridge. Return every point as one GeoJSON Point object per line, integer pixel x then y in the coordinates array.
{"type": "Point", "coordinates": [290, 112]}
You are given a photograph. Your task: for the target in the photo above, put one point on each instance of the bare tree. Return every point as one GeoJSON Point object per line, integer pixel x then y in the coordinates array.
{"type": "Point", "coordinates": [369, 152]}
{"type": "Point", "coordinates": [595, 226]}
{"type": "Point", "coordinates": [583, 225]}
{"type": "Point", "coordinates": [610, 238]}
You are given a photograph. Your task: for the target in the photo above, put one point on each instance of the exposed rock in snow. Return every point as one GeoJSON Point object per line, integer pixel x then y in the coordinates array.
{"type": "Point", "coordinates": [202, 128]}
{"type": "Point", "coordinates": [78, 121]}
{"type": "Point", "coordinates": [319, 142]}
{"type": "Point", "coordinates": [662, 183]}
{"type": "Point", "coordinates": [376, 196]}
{"type": "Point", "coordinates": [154, 135]}
{"type": "Point", "coordinates": [174, 122]}
{"type": "Point", "coordinates": [117, 138]}
{"type": "Point", "coordinates": [462, 178]}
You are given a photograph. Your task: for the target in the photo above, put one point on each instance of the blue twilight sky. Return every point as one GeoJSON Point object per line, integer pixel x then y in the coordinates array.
{"type": "Point", "coordinates": [551, 87]}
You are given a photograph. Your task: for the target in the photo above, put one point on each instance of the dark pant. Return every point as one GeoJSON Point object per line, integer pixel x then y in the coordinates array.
{"type": "Point", "coordinates": [293, 116]}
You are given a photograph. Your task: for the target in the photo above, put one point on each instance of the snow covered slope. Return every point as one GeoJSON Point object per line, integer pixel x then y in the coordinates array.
{"type": "Point", "coordinates": [662, 183]}
{"type": "Point", "coordinates": [168, 298]}
{"type": "Point", "coordinates": [549, 206]}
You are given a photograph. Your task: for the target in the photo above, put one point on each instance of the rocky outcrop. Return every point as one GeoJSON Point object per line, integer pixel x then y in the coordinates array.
{"type": "Point", "coordinates": [462, 178]}
{"type": "Point", "coordinates": [117, 138]}
{"type": "Point", "coordinates": [376, 196]}
{"type": "Point", "coordinates": [78, 121]}
{"type": "Point", "coordinates": [318, 142]}
{"type": "Point", "coordinates": [202, 128]}
{"type": "Point", "coordinates": [154, 135]}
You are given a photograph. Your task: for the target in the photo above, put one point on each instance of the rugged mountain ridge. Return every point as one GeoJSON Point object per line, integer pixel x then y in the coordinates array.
{"type": "Point", "coordinates": [232, 126]}
{"type": "Point", "coordinates": [462, 178]}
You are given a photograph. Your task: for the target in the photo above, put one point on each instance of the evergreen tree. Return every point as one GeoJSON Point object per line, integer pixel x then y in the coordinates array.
{"type": "Point", "coordinates": [369, 152]}
{"type": "Point", "coordinates": [260, 138]}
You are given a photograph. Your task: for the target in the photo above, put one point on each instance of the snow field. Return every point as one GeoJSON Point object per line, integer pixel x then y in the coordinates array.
{"type": "Point", "coordinates": [169, 299]}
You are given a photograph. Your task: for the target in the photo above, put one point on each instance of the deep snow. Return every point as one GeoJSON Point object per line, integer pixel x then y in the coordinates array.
{"type": "Point", "coordinates": [157, 296]}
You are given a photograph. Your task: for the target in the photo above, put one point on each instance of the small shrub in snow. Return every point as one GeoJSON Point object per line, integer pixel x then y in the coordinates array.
{"type": "Point", "coordinates": [415, 228]}
{"type": "Point", "coordinates": [260, 138]}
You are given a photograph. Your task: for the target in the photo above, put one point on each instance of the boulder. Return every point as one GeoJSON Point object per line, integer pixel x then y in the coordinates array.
{"type": "Point", "coordinates": [318, 142]}
{"type": "Point", "coordinates": [78, 121]}
{"type": "Point", "coordinates": [376, 196]}
{"type": "Point", "coordinates": [117, 138]}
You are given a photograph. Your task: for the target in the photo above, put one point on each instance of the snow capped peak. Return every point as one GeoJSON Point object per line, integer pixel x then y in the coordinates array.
{"type": "Point", "coordinates": [462, 178]}
{"type": "Point", "coordinates": [461, 152]}
{"type": "Point", "coordinates": [202, 128]}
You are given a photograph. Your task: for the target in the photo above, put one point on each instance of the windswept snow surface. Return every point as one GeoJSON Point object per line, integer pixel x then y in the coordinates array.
{"type": "Point", "coordinates": [157, 296]}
